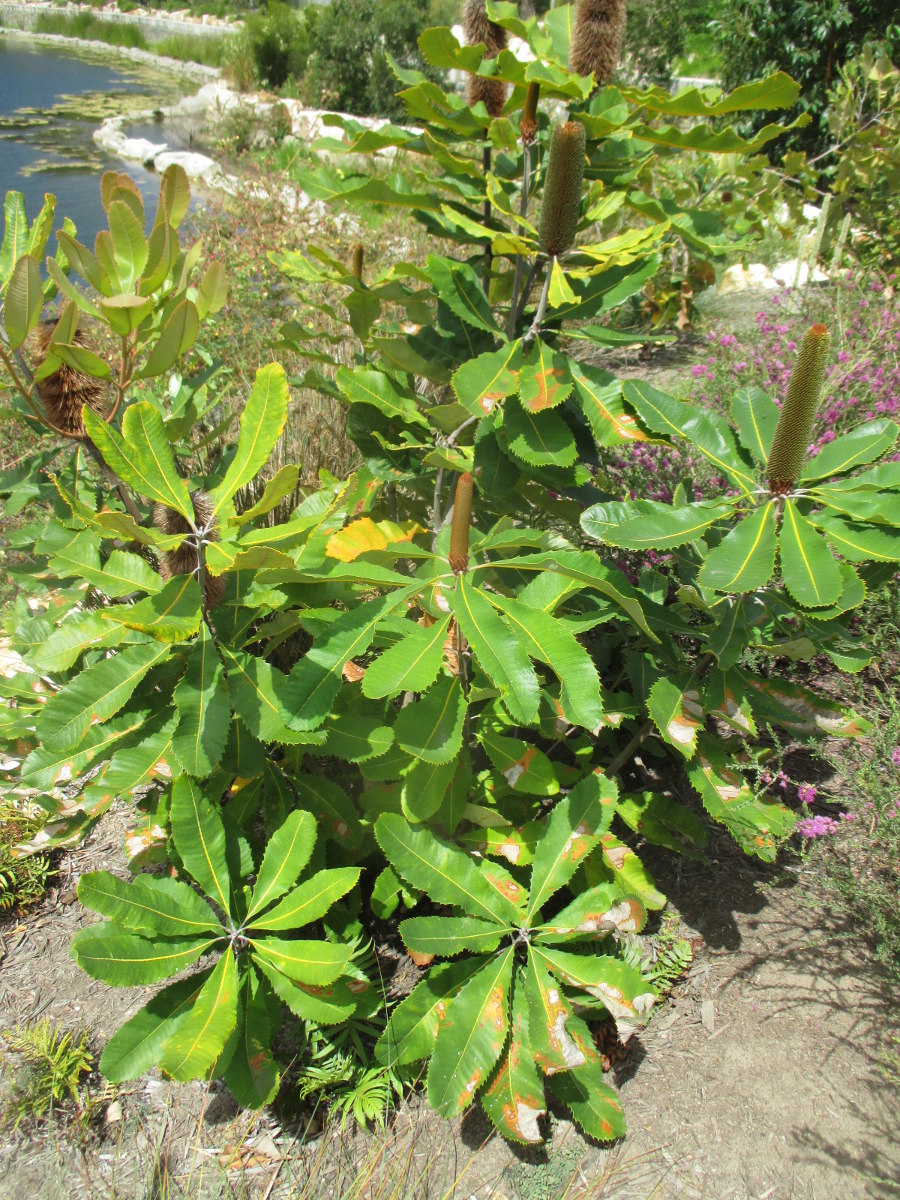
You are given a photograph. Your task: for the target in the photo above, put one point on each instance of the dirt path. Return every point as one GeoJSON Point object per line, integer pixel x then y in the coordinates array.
{"type": "Point", "coordinates": [759, 1079]}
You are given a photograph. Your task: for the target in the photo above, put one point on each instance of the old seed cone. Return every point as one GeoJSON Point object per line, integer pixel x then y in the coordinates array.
{"type": "Point", "coordinates": [183, 561]}
{"type": "Point", "coordinates": [597, 35]}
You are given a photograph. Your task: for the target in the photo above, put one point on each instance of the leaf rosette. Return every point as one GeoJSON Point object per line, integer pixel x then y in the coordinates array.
{"type": "Point", "coordinates": [499, 1019]}
{"type": "Point", "coordinates": [222, 1017]}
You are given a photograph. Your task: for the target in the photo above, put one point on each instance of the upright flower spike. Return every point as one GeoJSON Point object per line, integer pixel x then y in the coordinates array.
{"type": "Point", "coordinates": [478, 28]}
{"type": "Point", "coordinates": [183, 561]}
{"type": "Point", "coordinates": [561, 202]}
{"type": "Point", "coordinates": [528, 126]}
{"type": "Point", "coordinates": [459, 530]}
{"type": "Point", "coordinates": [788, 454]}
{"type": "Point", "coordinates": [357, 267]}
{"type": "Point", "coordinates": [597, 35]}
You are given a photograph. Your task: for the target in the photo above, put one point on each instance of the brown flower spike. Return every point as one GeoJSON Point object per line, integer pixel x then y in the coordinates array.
{"type": "Point", "coordinates": [597, 36]}
{"type": "Point", "coordinates": [790, 445]}
{"type": "Point", "coordinates": [561, 201]}
{"type": "Point", "coordinates": [459, 530]}
{"type": "Point", "coordinates": [479, 29]}
{"type": "Point", "coordinates": [65, 391]}
{"type": "Point", "coordinates": [183, 561]}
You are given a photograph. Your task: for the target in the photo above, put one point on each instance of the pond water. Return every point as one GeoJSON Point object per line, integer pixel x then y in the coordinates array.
{"type": "Point", "coordinates": [51, 101]}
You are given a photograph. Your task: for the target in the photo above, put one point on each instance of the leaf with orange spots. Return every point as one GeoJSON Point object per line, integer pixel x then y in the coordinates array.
{"type": "Point", "coordinates": [514, 1100]}
{"type": "Point", "coordinates": [524, 767]}
{"type": "Point", "coordinates": [592, 1102]}
{"type": "Point", "coordinates": [471, 1037]}
{"type": "Point", "coordinates": [677, 712]}
{"type": "Point", "coordinates": [617, 862]}
{"type": "Point", "coordinates": [620, 988]}
{"type": "Point", "coordinates": [756, 822]}
{"type": "Point", "coordinates": [573, 830]}
{"type": "Point", "coordinates": [544, 380]}
{"type": "Point", "coordinates": [595, 914]}
{"type": "Point", "coordinates": [414, 1024]}
{"type": "Point", "coordinates": [552, 1044]}
{"type": "Point", "coordinates": [252, 1075]}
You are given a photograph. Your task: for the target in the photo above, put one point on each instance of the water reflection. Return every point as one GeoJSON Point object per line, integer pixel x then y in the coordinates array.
{"type": "Point", "coordinates": [51, 101]}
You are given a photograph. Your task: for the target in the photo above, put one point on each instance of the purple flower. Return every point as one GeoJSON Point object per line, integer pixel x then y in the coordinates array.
{"type": "Point", "coordinates": [813, 827]}
{"type": "Point", "coordinates": [895, 756]}
{"type": "Point", "coordinates": [807, 793]}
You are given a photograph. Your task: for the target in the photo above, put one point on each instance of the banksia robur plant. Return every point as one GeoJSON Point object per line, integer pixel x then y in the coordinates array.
{"type": "Point", "coordinates": [64, 392]}
{"type": "Point", "coordinates": [478, 28]}
{"type": "Point", "coordinates": [459, 530]}
{"type": "Point", "coordinates": [561, 201]}
{"type": "Point", "coordinates": [528, 126]}
{"type": "Point", "coordinates": [357, 268]}
{"type": "Point", "coordinates": [790, 445]}
{"type": "Point", "coordinates": [183, 561]}
{"type": "Point", "coordinates": [597, 35]}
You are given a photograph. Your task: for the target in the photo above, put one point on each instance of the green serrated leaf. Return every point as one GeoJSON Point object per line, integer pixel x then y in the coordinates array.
{"type": "Point", "coordinates": [745, 558]}
{"type": "Point", "coordinates": [809, 569]}
{"type": "Point", "coordinates": [303, 961]}
{"type": "Point", "coordinates": [538, 439]}
{"type": "Point", "coordinates": [204, 709]}
{"type": "Point", "coordinates": [862, 445]}
{"type": "Point", "coordinates": [574, 828]}
{"type": "Point", "coordinates": [252, 1075]}
{"type": "Point", "coordinates": [432, 728]}
{"type": "Point", "coordinates": [199, 837]}
{"type": "Point", "coordinates": [447, 874]}
{"type": "Point", "coordinates": [96, 694]}
{"type": "Point", "coordinates": [148, 904]}
{"type": "Point", "coordinates": [128, 959]}
{"type": "Point", "coordinates": [201, 1033]}
{"type": "Point", "coordinates": [310, 901]}
{"type": "Point", "coordinates": [756, 416]}
{"type": "Point", "coordinates": [498, 650]}
{"type": "Point", "coordinates": [262, 421]}
{"type": "Point", "coordinates": [414, 1024]}
{"type": "Point", "coordinates": [141, 455]}
{"type": "Point", "coordinates": [448, 936]}
{"type": "Point", "coordinates": [410, 665]}
{"type": "Point", "coordinates": [287, 853]}
{"type": "Point", "coordinates": [471, 1037]}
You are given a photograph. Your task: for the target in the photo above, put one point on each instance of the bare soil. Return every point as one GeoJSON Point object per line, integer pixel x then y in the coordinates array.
{"type": "Point", "coordinates": [759, 1079]}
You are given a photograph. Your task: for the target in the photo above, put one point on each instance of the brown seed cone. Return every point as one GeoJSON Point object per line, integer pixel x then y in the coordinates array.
{"type": "Point", "coordinates": [561, 201]}
{"type": "Point", "coordinates": [459, 530]}
{"type": "Point", "coordinates": [478, 29]}
{"type": "Point", "coordinates": [65, 391]}
{"type": "Point", "coordinates": [597, 37]}
{"type": "Point", "coordinates": [183, 561]}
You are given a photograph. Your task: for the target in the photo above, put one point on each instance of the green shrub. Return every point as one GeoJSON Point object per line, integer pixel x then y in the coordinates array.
{"type": "Point", "coordinates": [810, 40]}
{"type": "Point", "coordinates": [350, 45]}
{"type": "Point", "coordinates": [429, 690]}
{"type": "Point", "coordinates": [277, 42]}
